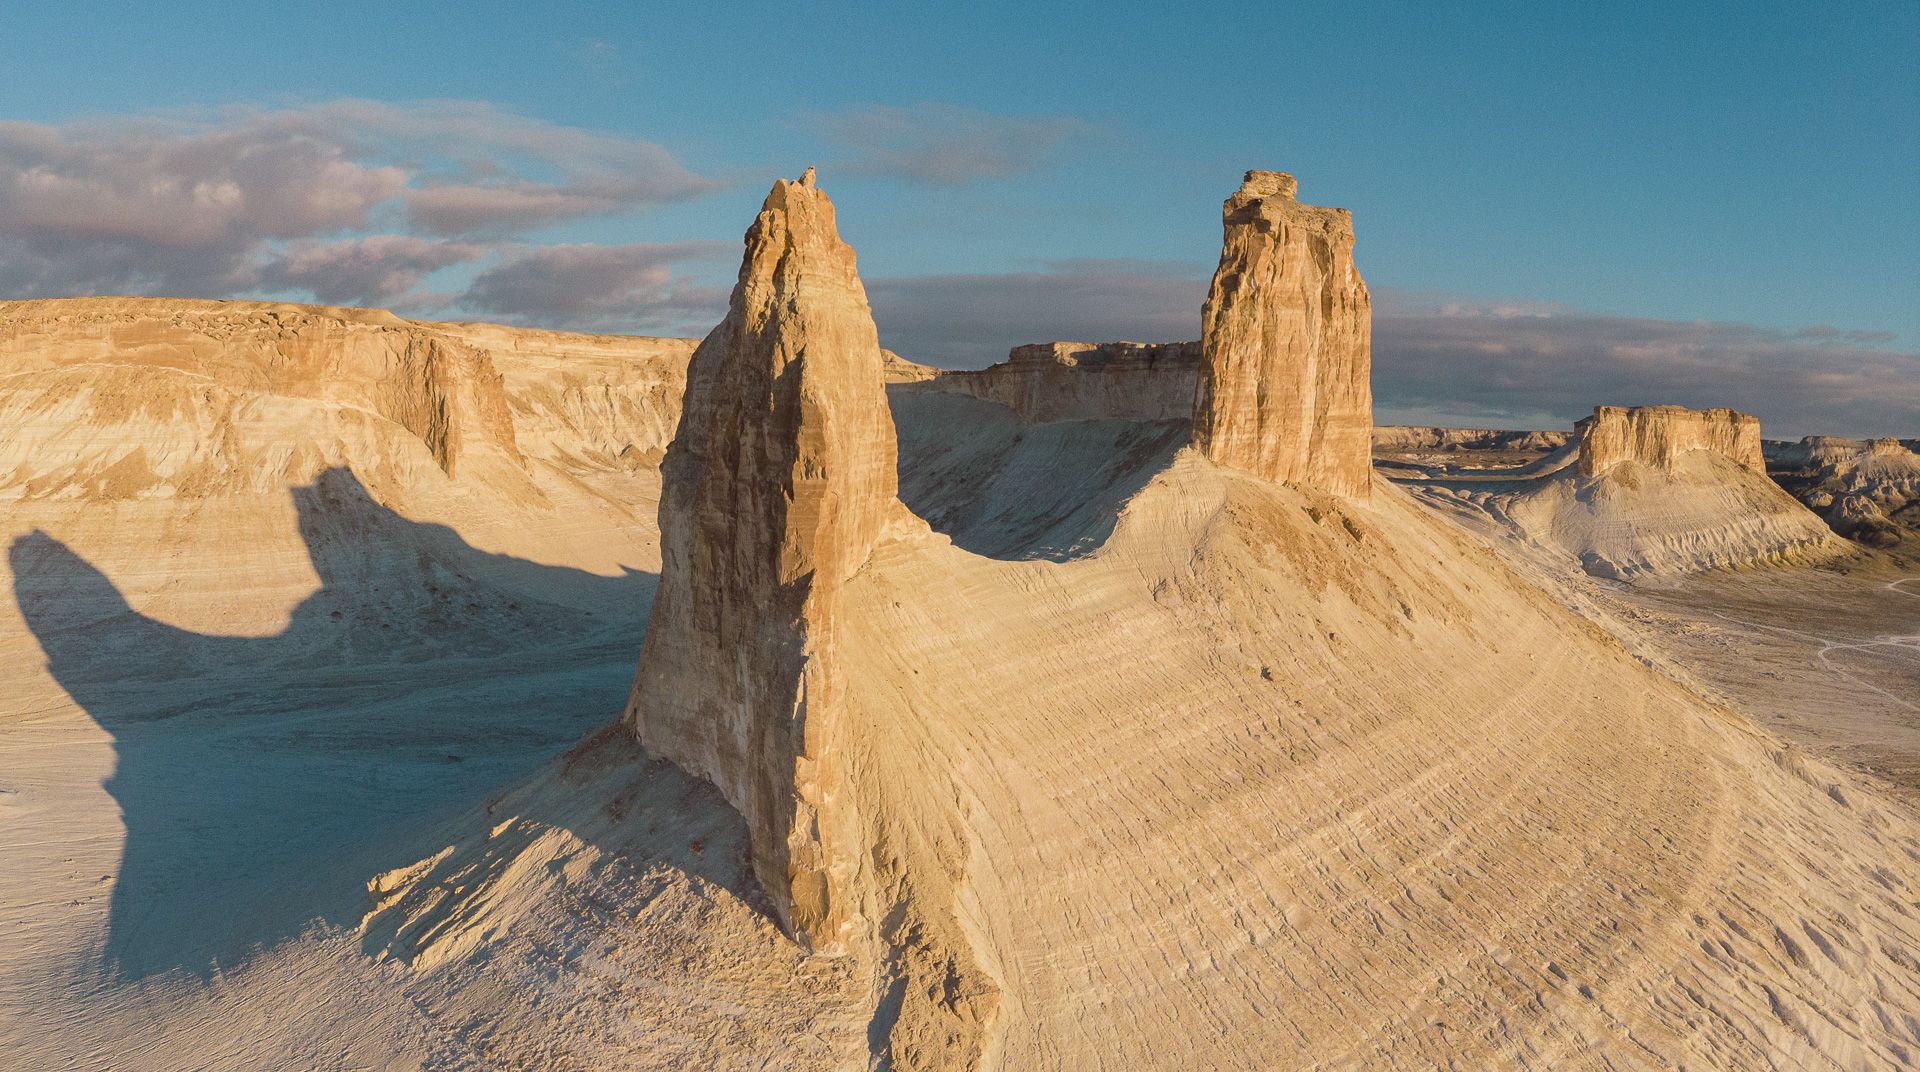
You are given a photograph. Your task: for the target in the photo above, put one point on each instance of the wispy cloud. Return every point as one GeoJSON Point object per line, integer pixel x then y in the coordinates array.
{"type": "Point", "coordinates": [939, 144]}
{"type": "Point", "coordinates": [376, 270]}
{"type": "Point", "coordinates": [213, 202]}
{"type": "Point", "coordinates": [609, 288]}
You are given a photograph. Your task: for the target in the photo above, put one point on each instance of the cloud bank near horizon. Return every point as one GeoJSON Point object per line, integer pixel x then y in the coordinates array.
{"type": "Point", "coordinates": [446, 209]}
{"type": "Point", "coordinates": [1446, 360]}
{"type": "Point", "coordinates": [348, 201]}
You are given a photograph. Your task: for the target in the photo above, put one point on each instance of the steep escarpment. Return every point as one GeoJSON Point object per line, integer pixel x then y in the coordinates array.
{"type": "Point", "coordinates": [1284, 389]}
{"type": "Point", "coordinates": [1663, 435]}
{"type": "Point", "coordinates": [1081, 381]}
{"type": "Point", "coordinates": [586, 401]}
{"type": "Point", "coordinates": [1257, 774]}
{"type": "Point", "coordinates": [206, 435]}
{"type": "Point", "coordinates": [153, 359]}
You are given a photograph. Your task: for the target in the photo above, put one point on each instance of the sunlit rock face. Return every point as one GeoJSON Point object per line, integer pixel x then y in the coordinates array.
{"type": "Point", "coordinates": [1286, 341]}
{"type": "Point", "coordinates": [1661, 435]}
{"type": "Point", "coordinates": [145, 361]}
{"type": "Point", "coordinates": [1085, 381]}
{"type": "Point", "coordinates": [775, 488]}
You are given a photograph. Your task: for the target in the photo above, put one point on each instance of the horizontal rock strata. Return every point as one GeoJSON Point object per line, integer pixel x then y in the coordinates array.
{"type": "Point", "coordinates": [1084, 381]}
{"type": "Point", "coordinates": [1661, 435]}
{"type": "Point", "coordinates": [1283, 390]}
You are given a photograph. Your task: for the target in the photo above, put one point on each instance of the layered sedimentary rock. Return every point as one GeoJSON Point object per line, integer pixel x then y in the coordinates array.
{"type": "Point", "coordinates": [1662, 435]}
{"type": "Point", "coordinates": [900, 370]}
{"type": "Point", "coordinates": [775, 489]}
{"type": "Point", "coordinates": [1420, 437]}
{"type": "Point", "coordinates": [1083, 381]}
{"type": "Point", "coordinates": [442, 390]}
{"type": "Point", "coordinates": [1868, 491]}
{"type": "Point", "coordinates": [1283, 389]}
{"type": "Point", "coordinates": [602, 401]}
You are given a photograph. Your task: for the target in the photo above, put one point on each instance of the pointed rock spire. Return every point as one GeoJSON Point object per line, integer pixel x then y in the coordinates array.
{"type": "Point", "coordinates": [778, 483]}
{"type": "Point", "coordinates": [1286, 349]}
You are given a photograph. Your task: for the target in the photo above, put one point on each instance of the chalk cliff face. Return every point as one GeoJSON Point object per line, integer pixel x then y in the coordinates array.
{"type": "Point", "coordinates": [777, 485]}
{"type": "Point", "coordinates": [1661, 435]}
{"type": "Point", "coordinates": [579, 400]}
{"type": "Point", "coordinates": [1084, 381]}
{"type": "Point", "coordinates": [445, 392]}
{"type": "Point", "coordinates": [1283, 388]}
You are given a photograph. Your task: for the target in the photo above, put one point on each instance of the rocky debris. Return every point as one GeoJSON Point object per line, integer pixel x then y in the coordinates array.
{"type": "Point", "coordinates": [776, 488]}
{"type": "Point", "coordinates": [1661, 435]}
{"type": "Point", "coordinates": [1867, 490]}
{"type": "Point", "coordinates": [1085, 381]}
{"type": "Point", "coordinates": [1283, 388]}
{"type": "Point", "coordinates": [1402, 438]}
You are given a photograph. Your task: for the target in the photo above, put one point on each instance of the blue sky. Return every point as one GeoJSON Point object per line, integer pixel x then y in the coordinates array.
{"type": "Point", "coordinates": [1719, 203]}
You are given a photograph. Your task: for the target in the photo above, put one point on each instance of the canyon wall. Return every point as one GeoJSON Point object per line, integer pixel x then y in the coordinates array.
{"type": "Point", "coordinates": [1084, 381]}
{"type": "Point", "coordinates": [1420, 437]}
{"type": "Point", "coordinates": [776, 487]}
{"type": "Point", "coordinates": [1660, 435]}
{"type": "Point", "coordinates": [607, 401]}
{"type": "Point", "coordinates": [155, 400]}
{"type": "Point", "coordinates": [1283, 388]}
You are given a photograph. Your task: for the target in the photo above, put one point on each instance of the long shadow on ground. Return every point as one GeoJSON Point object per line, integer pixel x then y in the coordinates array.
{"type": "Point", "coordinates": [262, 780]}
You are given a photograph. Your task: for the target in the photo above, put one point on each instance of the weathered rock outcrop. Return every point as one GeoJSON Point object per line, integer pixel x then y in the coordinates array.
{"type": "Point", "coordinates": [1661, 490]}
{"type": "Point", "coordinates": [900, 370]}
{"type": "Point", "coordinates": [598, 401]}
{"type": "Point", "coordinates": [1868, 491]}
{"type": "Point", "coordinates": [1084, 381]}
{"type": "Point", "coordinates": [1427, 438]}
{"type": "Point", "coordinates": [1286, 336]}
{"type": "Point", "coordinates": [442, 390]}
{"type": "Point", "coordinates": [776, 487]}
{"type": "Point", "coordinates": [1661, 435]}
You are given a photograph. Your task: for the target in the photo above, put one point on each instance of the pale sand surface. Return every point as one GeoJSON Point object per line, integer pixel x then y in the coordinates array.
{"type": "Point", "coordinates": [1210, 773]}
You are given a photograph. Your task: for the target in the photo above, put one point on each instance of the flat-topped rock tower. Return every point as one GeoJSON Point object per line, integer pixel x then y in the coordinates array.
{"type": "Point", "coordinates": [775, 489]}
{"type": "Point", "coordinates": [1286, 343]}
{"type": "Point", "coordinates": [1661, 435]}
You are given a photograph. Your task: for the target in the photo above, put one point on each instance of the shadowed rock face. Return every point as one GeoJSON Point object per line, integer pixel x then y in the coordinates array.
{"type": "Point", "coordinates": [1660, 435]}
{"type": "Point", "coordinates": [1286, 344]}
{"type": "Point", "coordinates": [775, 489]}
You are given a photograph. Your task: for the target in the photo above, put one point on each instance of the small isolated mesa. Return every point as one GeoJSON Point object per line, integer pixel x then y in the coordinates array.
{"type": "Point", "coordinates": [1100, 709]}
{"type": "Point", "coordinates": [1662, 435]}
